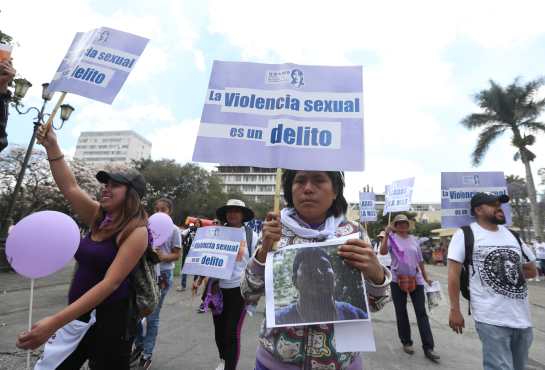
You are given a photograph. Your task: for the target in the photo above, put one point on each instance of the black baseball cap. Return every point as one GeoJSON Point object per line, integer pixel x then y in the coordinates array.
{"type": "Point", "coordinates": [130, 177]}
{"type": "Point", "coordinates": [487, 198]}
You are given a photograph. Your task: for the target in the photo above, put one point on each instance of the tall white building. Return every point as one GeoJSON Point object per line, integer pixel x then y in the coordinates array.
{"type": "Point", "coordinates": [112, 147]}
{"type": "Point", "coordinates": [254, 182]}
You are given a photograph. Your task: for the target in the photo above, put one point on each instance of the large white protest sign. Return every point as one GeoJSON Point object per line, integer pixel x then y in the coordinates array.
{"type": "Point", "coordinates": [398, 196]}
{"type": "Point", "coordinates": [283, 115]}
{"type": "Point", "coordinates": [368, 213]}
{"type": "Point", "coordinates": [97, 63]}
{"type": "Point", "coordinates": [214, 251]}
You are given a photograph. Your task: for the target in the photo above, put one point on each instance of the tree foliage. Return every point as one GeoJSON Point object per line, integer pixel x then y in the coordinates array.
{"type": "Point", "coordinates": [514, 109]}
{"type": "Point", "coordinates": [38, 190]}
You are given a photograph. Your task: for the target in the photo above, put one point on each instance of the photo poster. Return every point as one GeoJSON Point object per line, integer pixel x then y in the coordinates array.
{"type": "Point", "coordinates": [98, 63]}
{"type": "Point", "coordinates": [398, 196]}
{"type": "Point", "coordinates": [368, 212]}
{"type": "Point", "coordinates": [214, 251]}
{"type": "Point", "coordinates": [325, 281]}
{"type": "Point", "coordinates": [457, 189]}
{"type": "Point", "coordinates": [283, 116]}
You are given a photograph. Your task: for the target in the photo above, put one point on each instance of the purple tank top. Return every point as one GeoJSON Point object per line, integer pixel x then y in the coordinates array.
{"type": "Point", "coordinates": [94, 259]}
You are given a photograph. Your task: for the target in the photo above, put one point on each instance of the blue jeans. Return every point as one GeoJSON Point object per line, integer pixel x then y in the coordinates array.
{"type": "Point", "coordinates": [504, 348]}
{"type": "Point", "coordinates": [148, 342]}
{"type": "Point", "coordinates": [183, 281]}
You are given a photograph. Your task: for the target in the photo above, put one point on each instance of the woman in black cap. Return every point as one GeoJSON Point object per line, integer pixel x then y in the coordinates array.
{"type": "Point", "coordinates": [228, 324]}
{"type": "Point", "coordinates": [100, 287]}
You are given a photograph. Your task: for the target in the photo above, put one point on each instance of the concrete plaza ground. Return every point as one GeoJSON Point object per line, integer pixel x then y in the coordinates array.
{"type": "Point", "coordinates": [186, 338]}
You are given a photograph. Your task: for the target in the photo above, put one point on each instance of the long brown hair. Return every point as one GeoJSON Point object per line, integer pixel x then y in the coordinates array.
{"type": "Point", "coordinates": [132, 215]}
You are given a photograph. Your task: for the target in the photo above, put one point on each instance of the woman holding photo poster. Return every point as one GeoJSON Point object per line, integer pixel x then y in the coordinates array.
{"type": "Point", "coordinates": [315, 213]}
{"type": "Point", "coordinates": [408, 277]}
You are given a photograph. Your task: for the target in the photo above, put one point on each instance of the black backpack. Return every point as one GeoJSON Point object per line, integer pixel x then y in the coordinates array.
{"type": "Point", "coordinates": [469, 241]}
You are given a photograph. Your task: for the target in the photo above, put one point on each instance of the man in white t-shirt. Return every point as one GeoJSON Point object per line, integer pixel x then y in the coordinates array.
{"type": "Point", "coordinates": [497, 285]}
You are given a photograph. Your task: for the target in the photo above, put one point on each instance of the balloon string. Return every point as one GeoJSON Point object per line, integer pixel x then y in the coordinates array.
{"type": "Point", "coordinates": [30, 320]}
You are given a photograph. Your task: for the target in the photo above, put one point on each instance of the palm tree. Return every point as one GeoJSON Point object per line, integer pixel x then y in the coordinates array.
{"type": "Point", "coordinates": [514, 109]}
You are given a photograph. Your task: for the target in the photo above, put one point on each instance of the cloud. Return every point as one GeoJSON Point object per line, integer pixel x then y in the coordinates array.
{"type": "Point", "coordinates": [175, 141]}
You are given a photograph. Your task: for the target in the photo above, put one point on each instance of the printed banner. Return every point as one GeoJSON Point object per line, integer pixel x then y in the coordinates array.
{"type": "Point", "coordinates": [97, 63]}
{"type": "Point", "coordinates": [368, 213]}
{"type": "Point", "coordinates": [398, 196]}
{"type": "Point", "coordinates": [457, 189]}
{"type": "Point", "coordinates": [282, 115]}
{"type": "Point", "coordinates": [214, 251]}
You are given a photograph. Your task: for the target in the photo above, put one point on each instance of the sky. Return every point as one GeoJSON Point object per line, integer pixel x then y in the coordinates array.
{"type": "Point", "coordinates": [422, 64]}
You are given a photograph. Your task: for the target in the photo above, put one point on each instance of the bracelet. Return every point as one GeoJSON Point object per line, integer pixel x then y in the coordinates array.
{"type": "Point", "coordinates": [56, 159]}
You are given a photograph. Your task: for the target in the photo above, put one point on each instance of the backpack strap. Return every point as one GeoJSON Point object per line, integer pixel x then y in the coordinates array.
{"type": "Point", "coordinates": [249, 239]}
{"type": "Point", "coordinates": [517, 236]}
{"type": "Point", "coordinates": [469, 241]}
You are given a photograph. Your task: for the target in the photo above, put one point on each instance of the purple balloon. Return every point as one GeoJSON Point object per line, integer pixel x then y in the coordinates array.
{"type": "Point", "coordinates": [42, 243]}
{"type": "Point", "coordinates": [160, 224]}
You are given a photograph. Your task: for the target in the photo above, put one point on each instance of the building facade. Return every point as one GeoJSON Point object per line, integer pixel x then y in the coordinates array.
{"type": "Point", "coordinates": [254, 182]}
{"type": "Point", "coordinates": [112, 147]}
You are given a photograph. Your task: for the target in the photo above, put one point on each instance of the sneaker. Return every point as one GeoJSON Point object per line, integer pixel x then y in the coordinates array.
{"type": "Point", "coordinates": [181, 289]}
{"type": "Point", "coordinates": [408, 349]}
{"type": "Point", "coordinates": [221, 365]}
{"type": "Point", "coordinates": [135, 355]}
{"type": "Point", "coordinates": [201, 309]}
{"type": "Point", "coordinates": [430, 354]}
{"type": "Point", "coordinates": [144, 364]}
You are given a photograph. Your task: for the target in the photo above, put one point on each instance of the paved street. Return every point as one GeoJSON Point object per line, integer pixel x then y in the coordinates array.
{"type": "Point", "coordinates": [186, 338]}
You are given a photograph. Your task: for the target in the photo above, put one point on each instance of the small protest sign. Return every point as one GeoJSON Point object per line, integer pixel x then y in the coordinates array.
{"type": "Point", "coordinates": [457, 189]}
{"type": "Point", "coordinates": [97, 63]}
{"type": "Point", "coordinates": [213, 252]}
{"type": "Point", "coordinates": [368, 213]}
{"type": "Point", "coordinates": [398, 195]}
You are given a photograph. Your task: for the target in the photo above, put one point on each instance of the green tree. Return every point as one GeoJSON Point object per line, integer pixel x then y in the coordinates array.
{"type": "Point", "coordinates": [513, 109]}
{"type": "Point", "coordinates": [518, 192]}
{"type": "Point", "coordinates": [194, 190]}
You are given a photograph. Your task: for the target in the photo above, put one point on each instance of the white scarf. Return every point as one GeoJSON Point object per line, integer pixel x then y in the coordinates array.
{"type": "Point", "coordinates": [63, 343]}
{"type": "Point", "coordinates": [328, 232]}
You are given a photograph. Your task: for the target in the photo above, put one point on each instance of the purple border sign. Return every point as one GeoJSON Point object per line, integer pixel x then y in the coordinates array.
{"type": "Point", "coordinates": [282, 115]}
{"type": "Point", "coordinates": [457, 188]}
{"type": "Point", "coordinates": [214, 252]}
{"type": "Point", "coordinates": [368, 212]}
{"type": "Point", "coordinates": [398, 195]}
{"type": "Point", "coordinates": [97, 63]}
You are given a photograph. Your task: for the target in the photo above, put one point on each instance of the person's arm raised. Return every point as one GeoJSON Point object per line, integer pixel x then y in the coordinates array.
{"type": "Point", "coordinates": [127, 257]}
{"type": "Point", "coordinates": [84, 206]}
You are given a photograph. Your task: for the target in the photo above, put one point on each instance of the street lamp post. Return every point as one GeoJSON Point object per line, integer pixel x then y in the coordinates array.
{"type": "Point", "coordinates": [21, 88]}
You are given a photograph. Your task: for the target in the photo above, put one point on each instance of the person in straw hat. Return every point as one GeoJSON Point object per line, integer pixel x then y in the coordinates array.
{"type": "Point", "coordinates": [228, 324]}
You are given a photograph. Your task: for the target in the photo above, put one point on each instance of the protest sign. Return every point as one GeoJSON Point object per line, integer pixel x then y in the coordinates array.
{"type": "Point", "coordinates": [457, 189]}
{"type": "Point", "coordinates": [309, 284]}
{"type": "Point", "coordinates": [398, 196]}
{"type": "Point", "coordinates": [214, 251]}
{"type": "Point", "coordinates": [282, 115]}
{"type": "Point", "coordinates": [97, 63]}
{"type": "Point", "coordinates": [368, 213]}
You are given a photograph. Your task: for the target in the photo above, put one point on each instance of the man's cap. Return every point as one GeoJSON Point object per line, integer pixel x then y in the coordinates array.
{"type": "Point", "coordinates": [129, 177]}
{"type": "Point", "coordinates": [487, 198]}
{"type": "Point", "coordinates": [400, 218]}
